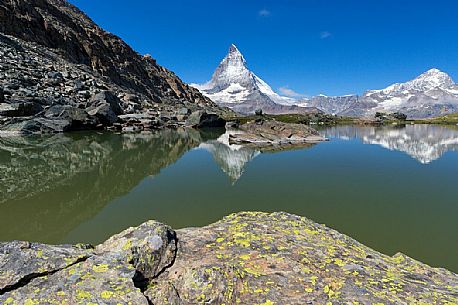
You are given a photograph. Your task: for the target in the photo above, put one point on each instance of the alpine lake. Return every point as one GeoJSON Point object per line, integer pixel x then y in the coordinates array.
{"type": "Point", "coordinates": [393, 188]}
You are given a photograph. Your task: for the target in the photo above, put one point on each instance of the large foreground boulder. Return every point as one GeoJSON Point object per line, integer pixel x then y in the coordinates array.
{"type": "Point", "coordinates": [246, 258]}
{"type": "Point", "coordinates": [116, 272]}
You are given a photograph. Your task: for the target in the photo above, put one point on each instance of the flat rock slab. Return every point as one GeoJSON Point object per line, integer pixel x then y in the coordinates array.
{"type": "Point", "coordinates": [246, 258]}
{"type": "Point", "coordinates": [274, 133]}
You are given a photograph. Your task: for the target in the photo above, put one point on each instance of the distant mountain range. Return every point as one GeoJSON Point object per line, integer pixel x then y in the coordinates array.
{"type": "Point", "coordinates": [431, 94]}
{"type": "Point", "coordinates": [233, 85]}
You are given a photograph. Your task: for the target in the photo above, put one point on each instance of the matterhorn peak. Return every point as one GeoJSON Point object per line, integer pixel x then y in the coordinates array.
{"type": "Point", "coordinates": [233, 85]}
{"type": "Point", "coordinates": [232, 70]}
{"type": "Point", "coordinates": [234, 57]}
{"type": "Point", "coordinates": [233, 49]}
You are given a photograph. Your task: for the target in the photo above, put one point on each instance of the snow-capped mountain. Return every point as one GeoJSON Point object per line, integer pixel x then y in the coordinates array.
{"type": "Point", "coordinates": [330, 104]}
{"type": "Point", "coordinates": [429, 80]}
{"type": "Point", "coordinates": [433, 93]}
{"type": "Point", "coordinates": [234, 86]}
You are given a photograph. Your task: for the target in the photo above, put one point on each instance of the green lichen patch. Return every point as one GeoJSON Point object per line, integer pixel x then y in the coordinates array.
{"type": "Point", "coordinates": [285, 259]}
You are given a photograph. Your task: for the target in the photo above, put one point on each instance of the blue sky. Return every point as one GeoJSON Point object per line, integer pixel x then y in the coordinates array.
{"type": "Point", "coordinates": [309, 46]}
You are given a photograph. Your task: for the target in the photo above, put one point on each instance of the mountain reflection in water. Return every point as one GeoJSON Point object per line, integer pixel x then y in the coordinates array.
{"type": "Point", "coordinates": [425, 143]}
{"type": "Point", "coordinates": [231, 158]}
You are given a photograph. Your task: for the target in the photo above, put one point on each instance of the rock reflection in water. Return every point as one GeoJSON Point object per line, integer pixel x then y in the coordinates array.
{"type": "Point", "coordinates": [50, 184]}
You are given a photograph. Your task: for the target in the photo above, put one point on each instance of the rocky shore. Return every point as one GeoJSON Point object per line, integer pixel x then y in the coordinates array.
{"type": "Point", "coordinates": [246, 258]}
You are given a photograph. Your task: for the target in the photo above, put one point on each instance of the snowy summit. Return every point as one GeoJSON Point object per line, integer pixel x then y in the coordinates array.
{"type": "Point", "coordinates": [233, 85]}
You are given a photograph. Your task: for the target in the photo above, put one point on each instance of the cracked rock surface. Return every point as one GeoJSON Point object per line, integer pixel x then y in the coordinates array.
{"type": "Point", "coordinates": [22, 261]}
{"type": "Point", "coordinates": [246, 258]}
{"type": "Point", "coordinates": [115, 272]}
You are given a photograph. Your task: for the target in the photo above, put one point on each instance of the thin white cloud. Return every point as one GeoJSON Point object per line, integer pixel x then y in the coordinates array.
{"type": "Point", "coordinates": [285, 90]}
{"type": "Point", "coordinates": [264, 13]}
{"type": "Point", "coordinates": [325, 35]}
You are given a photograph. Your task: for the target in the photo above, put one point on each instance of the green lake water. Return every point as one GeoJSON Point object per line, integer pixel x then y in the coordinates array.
{"type": "Point", "coordinates": [394, 189]}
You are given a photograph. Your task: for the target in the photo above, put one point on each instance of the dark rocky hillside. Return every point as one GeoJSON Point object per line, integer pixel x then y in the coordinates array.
{"type": "Point", "coordinates": [59, 71]}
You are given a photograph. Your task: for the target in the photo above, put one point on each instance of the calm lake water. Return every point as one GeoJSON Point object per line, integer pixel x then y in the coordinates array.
{"type": "Point", "coordinates": [394, 189]}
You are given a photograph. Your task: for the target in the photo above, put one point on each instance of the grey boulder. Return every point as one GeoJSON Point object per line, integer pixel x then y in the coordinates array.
{"type": "Point", "coordinates": [202, 119]}
{"type": "Point", "coordinates": [105, 106]}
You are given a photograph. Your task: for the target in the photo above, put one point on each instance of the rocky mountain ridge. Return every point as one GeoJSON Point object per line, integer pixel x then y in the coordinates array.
{"type": "Point", "coordinates": [59, 71]}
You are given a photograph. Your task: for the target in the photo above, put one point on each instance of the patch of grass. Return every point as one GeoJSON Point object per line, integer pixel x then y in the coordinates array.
{"type": "Point", "coordinates": [308, 119]}
{"type": "Point", "coordinates": [327, 120]}
{"type": "Point", "coordinates": [451, 119]}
